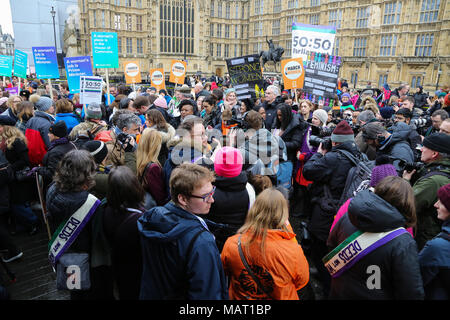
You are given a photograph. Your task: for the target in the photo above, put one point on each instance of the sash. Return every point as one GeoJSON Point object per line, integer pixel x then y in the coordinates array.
{"type": "Point", "coordinates": [355, 247]}
{"type": "Point", "coordinates": [69, 230]}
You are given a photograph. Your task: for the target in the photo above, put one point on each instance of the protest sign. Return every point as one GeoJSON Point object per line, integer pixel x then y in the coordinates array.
{"type": "Point", "coordinates": [157, 79]}
{"type": "Point", "coordinates": [105, 51]}
{"type": "Point", "coordinates": [246, 76]}
{"type": "Point", "coordinates": [14, 91]}
{"type": "Point", "coordinates": [6, 66]}
{"type": "Point", "coordinates": [178, 71]}
{"type": "Point", "coordinates": [293, 73]}
{"type": "Point", "coordinates": [321, 75]}
{"type": "Point", "coordinates": [132, 72]}
{"type": "Point", "coordinates": [90, 89]}
{"type": "Point", "coordinates": [75, 68]}
{"type": "Point", "coordinates": [45, 62]}
{"type": "Point", "coordinates": [308, 38]}
{"type": "Point", "coordinates": [20, 64]}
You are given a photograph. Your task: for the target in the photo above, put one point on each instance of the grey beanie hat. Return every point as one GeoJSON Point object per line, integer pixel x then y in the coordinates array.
{"type": "Point", "coordinates": [93, 111]}
{"type": "Point", "coordinates": [44, 103]}
{"type": "Point", "coordinates": [322, 115]}
{"type": "Point", "coordinates": [366, 116]}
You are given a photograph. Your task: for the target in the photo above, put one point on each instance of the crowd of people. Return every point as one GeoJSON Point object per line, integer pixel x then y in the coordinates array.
{"type": "Point", "coordinates": [194, 194]}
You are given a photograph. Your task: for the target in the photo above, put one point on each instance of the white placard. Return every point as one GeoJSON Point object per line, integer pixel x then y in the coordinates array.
{"type": "Point", "coordinates": [90, 90]}
{"type": "Point", "coordinates": [308, 38]}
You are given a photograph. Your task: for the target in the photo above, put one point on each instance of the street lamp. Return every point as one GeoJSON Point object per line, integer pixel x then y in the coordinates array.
{"type": "Point", "coordinates": [439, 75]}
{"type": "Point", "coordinates": [53, 12]}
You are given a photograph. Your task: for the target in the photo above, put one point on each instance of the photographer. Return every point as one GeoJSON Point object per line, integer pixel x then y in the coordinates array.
{"type": "Point", "coordinates": [437, 117]}
{"type": "Point", "coordinates": [123, 144]}
{"type": "Point", "coordinates": [394, 145]}
{"type": "Point", "coordinates": [426, 182]}
{"type": "Point", "coordinates": [328, 169]}
{"type": "Point", "coordinates": [365, 117]}
{"type": "Point", "coordinates": [414, 139]}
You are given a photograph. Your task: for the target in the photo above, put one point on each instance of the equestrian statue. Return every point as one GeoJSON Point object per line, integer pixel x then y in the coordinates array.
{"type": "Point", "coordinates": [273, 54]}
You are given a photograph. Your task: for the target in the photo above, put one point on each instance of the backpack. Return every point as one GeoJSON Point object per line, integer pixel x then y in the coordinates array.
{"type": "Point", "coordinates": [358, 177]}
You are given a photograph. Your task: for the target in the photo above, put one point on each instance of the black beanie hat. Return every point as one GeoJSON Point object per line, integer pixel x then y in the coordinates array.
{"type": "Point", "coordinates": [59, 129]}
{"type": "Point", "coordinates": [439, 142]}
{"type": "Point", "coordinates": [97, 149]}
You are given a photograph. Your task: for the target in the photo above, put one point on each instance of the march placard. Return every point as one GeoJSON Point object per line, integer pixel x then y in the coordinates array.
{"type": "Point", "coordinates": [132, 72]}
{"type": "Point", "coordinates": [90, 89]}
{"type": "Point", "coordinates": [157, 79]}
{"type": "Point", "coordinates": [321, 75]}
{"type": "Point", "coordinates": [6, 66]}
{"type": "Point", "coordinates": [105, 51]}
{"type": "Point", "coordinates": [178, 71]}
{"type": "Point", "coordinates": [307, 38]}
{"type": "Point", "coordinates": [20, 64]}
{"type": "Point", "coordinates": [75, 68]}
{"type": "Point", "coordinates": [293, 73]}
{"type": "Point", "coordinates": [246, 76]}
{"type": "Point", "coordinates": [45, 62]}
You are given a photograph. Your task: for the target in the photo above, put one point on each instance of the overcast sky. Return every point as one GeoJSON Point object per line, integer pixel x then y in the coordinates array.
{"type": "Point", "coordinates": [5, 17]}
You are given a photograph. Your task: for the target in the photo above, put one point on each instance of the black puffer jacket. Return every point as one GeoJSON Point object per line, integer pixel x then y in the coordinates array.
{"type": "Point", "coordinates": [400, 276]}
{"type": "Point", "coordinates": [293, 136]}
{"type": "Point", "coordinates": [231, 204]}
{"type": "Point", "coordinates": [331, 170]}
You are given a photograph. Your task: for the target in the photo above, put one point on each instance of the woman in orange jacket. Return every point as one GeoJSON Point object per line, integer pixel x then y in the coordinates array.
{"type": "Point", "coordinates": [276, 266]}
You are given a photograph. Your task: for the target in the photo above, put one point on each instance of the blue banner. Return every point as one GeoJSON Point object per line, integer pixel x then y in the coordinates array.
{"type": "Point", "coordinates": [6, 66]}
{"type": "Point", "coordinates": [75, 68]}
{"type": "Point", "coordinates": [105, 51]}
{"type": "Point", "coordinates": [20, 64]}
{"type": "Point", "coordinates": [45, 62]}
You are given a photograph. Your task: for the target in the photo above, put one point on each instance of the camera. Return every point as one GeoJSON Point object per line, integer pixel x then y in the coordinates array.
{"type": "Point", "coordinates": [321, 131]}
{"type": "Point", "coordinates": [410, 166]}
{"type": "Point", "coordinates": [315, 141]}
{"type": "Point", "coordinates": [422, 122]}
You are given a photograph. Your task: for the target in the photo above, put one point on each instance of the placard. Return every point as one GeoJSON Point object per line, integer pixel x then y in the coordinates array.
{"type": "Point", "coordinates": [178, 71]}
{"type": "Point", "coordinates": [246, 76]}
{"type": "Point", "coordinates": [132, 72]}
{"type": "Point", "coordinates": [105, 51]}
{"type": "Point", "coordinates": [293, 73]}
{"type": "Point", "coordinates": [45, 62]}
{"type": "Point", "coordinates": [75, 68]}
{"type": "Point", "coordinates": [20, 64]}
{"type": "Point", "coordinates": [90, 89]}
{"type": "Point", "coordinates": [14, 91]}
{"type": "Point", "coordinates": [6, 66]}
{"type": "Point", "coordinates": [321, 76]}
{"type": "Point", "coordinates": [307, 38]}
{"type": "Point", "coordinates": [157, 79]}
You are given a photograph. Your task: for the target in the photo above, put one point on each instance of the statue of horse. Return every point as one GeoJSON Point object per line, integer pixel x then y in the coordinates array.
{"type": "Point", "coordinates": [273, 54]}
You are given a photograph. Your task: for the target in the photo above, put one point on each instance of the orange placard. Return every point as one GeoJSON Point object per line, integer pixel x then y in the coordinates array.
{"type": "Point", "coordinates": [132, 72]}
{"type": "Point", "coordinates": [293, 73]}
{"type": "Point", "coordinates": [178, 71]}
{"type": "Point", "coordinates": [157, 79]}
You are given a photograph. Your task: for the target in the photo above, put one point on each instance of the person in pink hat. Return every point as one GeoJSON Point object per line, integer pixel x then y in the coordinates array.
{"type": "Point", "coordinates": [233, 196]}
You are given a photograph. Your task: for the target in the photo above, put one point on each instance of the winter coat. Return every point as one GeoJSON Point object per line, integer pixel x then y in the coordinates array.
{"type": "Point", "coordinates": [11, 114]}
{"type": "Point", "coordinates": [122, 233]}
{"type": "Point", "coordinates": [169, 270]}
{"type": "Point", "coordinates": [284, 271]}
{"type": "Point", "coordinates": [213, 119]}
{"type": "Point", "coordinates": [330, 169]}
{"type": "Point", "coordinates": [37, 136]}
{"type": "Point", "coordinates": [293, 136]}
{"type": "Point", "coordinates": [20, 191]}
{"type": "Point", "coordinates": [306, 152]}
{"type": "Point", "coordinates": [271, 111]}
{"type": "Point", "coordinates": [86, 127]}
{"type": "Point", "coordinates": [435, 265]}
{"type": "Point", "coordinates": [100, 190]}
{"type": "Point", "coordinates": [154, 183]}
{"type": "Point", "coordinates": [69, 118]}
{"type": "Point", "coordinates": [397, 146]}
{"type": "Point", "coordinates": [425, 194]}
{"type": "Point", "coordinates": [58, 149]}
{"type": "Point", "coordinates": [420, 99]}
{"type": "Point", "coordinates": [231, 204]}
{"type": "Point", "coordinates": [397, 260]}
{"type": "Point", "coordinates": [166, 137]}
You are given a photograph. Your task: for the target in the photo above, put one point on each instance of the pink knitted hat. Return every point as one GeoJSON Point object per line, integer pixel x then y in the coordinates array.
{"type": "Point", "coordinates": [228, 162]}
{"type": "Point", "coordinates": [160, 102]}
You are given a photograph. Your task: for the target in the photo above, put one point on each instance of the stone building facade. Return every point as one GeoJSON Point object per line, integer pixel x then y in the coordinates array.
{"type": "Point", "coordinates": [379, 41]}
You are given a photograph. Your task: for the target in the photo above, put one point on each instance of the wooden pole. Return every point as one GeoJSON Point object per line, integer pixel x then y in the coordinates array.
{"type": "Point", "coordinates": [51, 88]}
{"type": "Point", "coordinates": [18, 90]}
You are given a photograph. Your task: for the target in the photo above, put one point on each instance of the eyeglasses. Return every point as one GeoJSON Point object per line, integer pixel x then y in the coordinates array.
{"type": "Point", "coordinates": [207, 197]}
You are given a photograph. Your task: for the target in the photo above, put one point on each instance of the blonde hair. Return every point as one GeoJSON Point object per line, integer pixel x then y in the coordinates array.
{"type": "Point", "coordinates": [34, 98]}
{"type": "Point", "coordinates": [148, 149]}
{"type": "Point", "coordinates": [10, 103]}
{"type": "Point", "coordinates": [10, 134]}
{"type": "Point", "coordinates": [270, 211]}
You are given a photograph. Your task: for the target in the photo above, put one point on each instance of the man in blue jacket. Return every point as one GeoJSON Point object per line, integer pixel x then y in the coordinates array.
{"type": "Point", "coordinates": [180, 256]}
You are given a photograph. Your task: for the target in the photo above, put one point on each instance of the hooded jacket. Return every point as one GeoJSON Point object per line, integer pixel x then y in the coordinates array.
{"type": "Point", "coordinates": [435, 266]}
{"type": "Point", "coordinates": [397, 260]}
{"type": "Point", "coordinates": [69, 118]}
{"type": "Point", "coordinates": [397, 145]}
{"type": "Point", "coordinates": [37, 136]}
{"type": "Point", "coordinates": [166, 233]}
{"type": "Point", "coordinates": [293, 136]}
